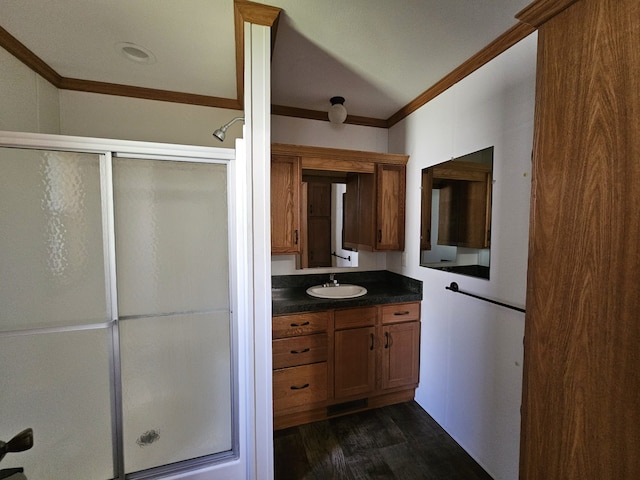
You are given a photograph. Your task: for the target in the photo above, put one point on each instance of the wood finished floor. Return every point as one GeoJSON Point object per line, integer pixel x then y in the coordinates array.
{"type": "Point", "coordinates": [397, 442]}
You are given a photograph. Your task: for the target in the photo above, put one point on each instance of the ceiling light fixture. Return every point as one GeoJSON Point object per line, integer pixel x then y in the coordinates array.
{"type": "Point", "coordinates": [135, 53]}
{"type": "Point", "coordinates": [337, 111]}
{"type": "Point", "coordinates": [221, 132]}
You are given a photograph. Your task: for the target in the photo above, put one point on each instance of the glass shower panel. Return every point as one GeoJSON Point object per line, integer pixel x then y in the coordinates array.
{"type": "Point", "coordinates": [58, 384]}
{"type": "Point", "coordinates": [172, 263]}
{"type": "Point", "coordinates": [176, 377]}
{"type": "Point", "coordinates": [51, 239]}
{"type": "Point", "coordinates": [171, 236]}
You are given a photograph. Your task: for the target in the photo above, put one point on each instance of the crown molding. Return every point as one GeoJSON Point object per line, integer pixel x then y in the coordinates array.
{"type": "Point", "coordinates": [147, 93]}
{"type": "Point", "coordinates": [30, 59]}
{"type": "Point", "coordinates": [246, 11]}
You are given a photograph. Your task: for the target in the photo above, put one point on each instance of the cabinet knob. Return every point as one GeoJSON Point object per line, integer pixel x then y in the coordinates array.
{"type": "Point", "coordinates": [373, 340]}
{"type": "Point", "coordinates": [386, 339]}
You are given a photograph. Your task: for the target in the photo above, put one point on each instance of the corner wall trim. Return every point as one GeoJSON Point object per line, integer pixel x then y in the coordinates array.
{"type": "Point", "coordinates": [542, 11]}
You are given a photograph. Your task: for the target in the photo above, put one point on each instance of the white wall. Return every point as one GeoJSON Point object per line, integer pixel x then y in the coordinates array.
{"type": "Point", "coordinates": [471, 355]}
{"type": "Point", "coordinates": [28, 103]}
{"type": "Point", "coordinates": [108, 116]}
{"type": "Point", "coordinates": [316, 133]}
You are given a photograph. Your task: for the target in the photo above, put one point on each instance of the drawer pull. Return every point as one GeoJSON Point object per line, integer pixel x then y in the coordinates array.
{"type": "Point", "coordinates": [294, 352]}
{"type": "Point", "coordinates": [295, 387]}
{"type": "Point", "coordinates": [406, 312]}
{"type": "Point", "coordinates": [373, 340]}
{"type": "Point", "coordinates": [386, 338]}
{"type": "Point", "coordinates": [303, 324]}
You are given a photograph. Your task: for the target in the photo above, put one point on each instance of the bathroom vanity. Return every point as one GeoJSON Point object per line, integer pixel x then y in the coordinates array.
{"type": "Point", "coordinates": [336, 356]}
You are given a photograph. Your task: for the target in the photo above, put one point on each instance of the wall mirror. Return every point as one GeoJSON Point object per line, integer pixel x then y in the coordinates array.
{"type": "Point", "coordinates": [323, 216]}
{"type": "Point", "coordinates": [455, 233]}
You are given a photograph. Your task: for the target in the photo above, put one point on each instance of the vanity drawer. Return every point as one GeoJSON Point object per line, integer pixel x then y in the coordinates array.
{"type": "Point", "coordinates": [300, 324]}
{"type": "Point", "coordinates": [289, 352]}
{"type": "Point", "coordinates": [296, 386]}
{"type": "Point", "coordinates": [355, 317]}
{"type": "Point", "coordinates": [400, 312]}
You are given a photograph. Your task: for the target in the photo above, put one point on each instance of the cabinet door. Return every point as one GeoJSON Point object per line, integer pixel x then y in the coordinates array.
{"type": "Point", "coordinates": [355, 359]}
{"type": "Point", "coordinates": [400, 354]}
{"type": "Point", "coordinates": [390, 206]}
{"type": "Point", "coordinates": [286, 177]}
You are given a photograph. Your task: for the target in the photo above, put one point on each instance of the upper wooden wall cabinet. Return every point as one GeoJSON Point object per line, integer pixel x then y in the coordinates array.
{"type": "Point", "coordinates": [374, 210]}
{"type": "Point", "coordinates": [286, 178]}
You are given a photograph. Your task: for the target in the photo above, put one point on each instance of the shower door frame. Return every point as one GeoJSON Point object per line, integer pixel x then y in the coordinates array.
{"type": "Point", "coordinates": [230, 464]}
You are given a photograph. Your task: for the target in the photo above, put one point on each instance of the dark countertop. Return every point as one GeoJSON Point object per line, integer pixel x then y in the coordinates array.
{"type": "Point", "coordinates": [289, 291]}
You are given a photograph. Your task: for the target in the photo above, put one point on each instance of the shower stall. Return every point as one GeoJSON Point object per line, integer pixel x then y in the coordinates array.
{"type": "Point", "coordinates": [119, 318]}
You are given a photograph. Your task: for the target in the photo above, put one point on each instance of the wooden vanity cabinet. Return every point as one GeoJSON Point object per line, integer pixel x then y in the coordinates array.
{"type": "Point", "coordinates": [345, 360]}
{"type": "Point", "coordinates": [286, 180]}
{"type": "Point", "coordinates": [300, 368]}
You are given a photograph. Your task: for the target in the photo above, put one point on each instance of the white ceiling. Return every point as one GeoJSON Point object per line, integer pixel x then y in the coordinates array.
{"type": "Point", "coordinates": [378, 54]}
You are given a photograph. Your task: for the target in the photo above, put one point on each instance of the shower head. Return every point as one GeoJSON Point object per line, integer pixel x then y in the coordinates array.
{"type": "Point", "coordinates": [221, 132]}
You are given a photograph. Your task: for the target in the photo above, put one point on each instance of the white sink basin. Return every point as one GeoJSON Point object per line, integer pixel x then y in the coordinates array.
{"type": "Point", "coordinates": [340, 291]}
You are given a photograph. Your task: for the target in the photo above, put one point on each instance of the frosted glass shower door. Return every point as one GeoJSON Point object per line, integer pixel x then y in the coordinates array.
{"type": "Point", "coordinates": [172, 263]}
{"type": "Point", "coordinates": [55, 330]}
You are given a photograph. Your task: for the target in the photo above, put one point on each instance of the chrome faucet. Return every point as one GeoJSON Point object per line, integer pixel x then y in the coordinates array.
{"type": "Point", "coordinates": [332, 281]}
